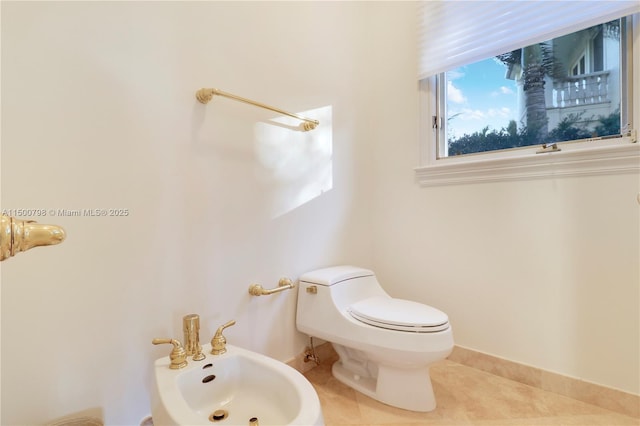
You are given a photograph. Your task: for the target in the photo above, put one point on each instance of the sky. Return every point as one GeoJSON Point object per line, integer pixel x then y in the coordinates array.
{"type": "Point", "coordinates": [479, 95]}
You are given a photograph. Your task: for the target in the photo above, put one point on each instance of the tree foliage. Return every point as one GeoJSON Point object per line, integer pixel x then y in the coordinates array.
{"type": "Point", "coordinates": [572, 127]}
{"type": "Point", "coordinates": [609, 125]}
{"type": "Point", "coordinates": [569, 129]}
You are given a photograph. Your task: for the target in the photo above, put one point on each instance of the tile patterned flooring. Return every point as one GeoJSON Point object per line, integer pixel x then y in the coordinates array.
{"type": "Point", "coordinates": [465, 396]}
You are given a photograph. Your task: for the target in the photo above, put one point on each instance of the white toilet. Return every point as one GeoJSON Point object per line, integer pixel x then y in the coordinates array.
{"type": "Point", "coordinates": [385, 345]}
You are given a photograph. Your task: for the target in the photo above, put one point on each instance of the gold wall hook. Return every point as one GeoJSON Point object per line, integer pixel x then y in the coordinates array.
{"type": "Point", "coordinates": [21, 235]}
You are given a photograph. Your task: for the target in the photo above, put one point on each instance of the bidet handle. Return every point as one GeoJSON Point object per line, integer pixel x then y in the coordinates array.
{"type": "Point", "coordinates": [219, 342]}
{"type": "Point", "coordinates": [222, 327]}
{"type": "Point", "coordinates": [178, 355]}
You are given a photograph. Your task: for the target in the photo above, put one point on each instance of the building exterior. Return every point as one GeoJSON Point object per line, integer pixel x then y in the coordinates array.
{"type": "Point", "coordinates": [586, 81]}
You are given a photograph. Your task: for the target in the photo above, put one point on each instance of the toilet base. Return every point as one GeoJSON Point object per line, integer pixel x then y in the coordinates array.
{"type": "Point", "coordinates": [409, 389]}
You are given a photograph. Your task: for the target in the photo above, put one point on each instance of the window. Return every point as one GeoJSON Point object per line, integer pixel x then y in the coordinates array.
{"type": "Point", "coordinates": [578, 68]}
{"type": "Point", "coordinates": [549, 92]}
{"type": "Point", "coordinates": [562, 96]}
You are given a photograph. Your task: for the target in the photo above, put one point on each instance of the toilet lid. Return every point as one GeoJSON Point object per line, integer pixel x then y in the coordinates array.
{"type": "Point", "coordinates": [399, 314]}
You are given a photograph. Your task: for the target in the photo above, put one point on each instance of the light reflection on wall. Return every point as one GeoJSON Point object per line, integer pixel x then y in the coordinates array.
{"type": "Point", "coordinates": [294, 166]}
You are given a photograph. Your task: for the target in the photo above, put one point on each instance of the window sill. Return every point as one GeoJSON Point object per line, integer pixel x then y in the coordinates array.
{"type": "Point", "coordinates": [603, 160]}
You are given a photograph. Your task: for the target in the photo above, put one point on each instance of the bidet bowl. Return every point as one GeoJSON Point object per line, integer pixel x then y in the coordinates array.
{"type": "Point", "coordinates": [233, 389]}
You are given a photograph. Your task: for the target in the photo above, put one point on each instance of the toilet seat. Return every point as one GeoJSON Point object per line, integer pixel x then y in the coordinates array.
{"type": "Point", "coordinates": [399, 315]}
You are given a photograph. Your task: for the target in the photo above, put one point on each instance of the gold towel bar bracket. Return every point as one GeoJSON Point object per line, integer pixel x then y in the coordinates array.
{"type": "Point", "coordinates": [204, 96]}
{"type": "Point", "coordinates": [283, 284]}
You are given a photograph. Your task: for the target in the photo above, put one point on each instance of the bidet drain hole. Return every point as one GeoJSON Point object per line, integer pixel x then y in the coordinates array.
{"type": "Point", "coordinates": [207, 366]}
{"type": "Point", "coordinates": [208, 378]}
{"type": "Point", "coordinates": [218, 415]}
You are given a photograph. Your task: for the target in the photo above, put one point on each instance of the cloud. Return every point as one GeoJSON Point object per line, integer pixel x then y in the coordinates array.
{"type": "Point", "coordinates": [478, 114]}
{"type": "Point", "coordinates": [503, 90]}
{"type": "Point", "coordinates": [455, 74]}
{"type": "Point", "coordinates": [469, 120]}
{"type": "Point", "coordinates": [503, 112]}
{"type": "Point", "coordinates": [454, 94]}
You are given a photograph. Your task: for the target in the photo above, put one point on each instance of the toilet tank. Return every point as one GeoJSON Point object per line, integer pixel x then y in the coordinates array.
{"type": "Point", "coordinates": [325, 294]}
{"type": "Point", "coordinates": [334, 275]}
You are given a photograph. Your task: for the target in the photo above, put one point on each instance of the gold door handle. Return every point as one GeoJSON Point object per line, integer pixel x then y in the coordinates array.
{"type": "Point", "coordinates": [21, 235]}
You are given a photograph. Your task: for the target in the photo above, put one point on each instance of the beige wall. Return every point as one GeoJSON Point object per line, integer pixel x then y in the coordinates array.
{"type": "Point", "coordinates": [98, 112]}
{"type": "Point", "coordinates": [542, 272]}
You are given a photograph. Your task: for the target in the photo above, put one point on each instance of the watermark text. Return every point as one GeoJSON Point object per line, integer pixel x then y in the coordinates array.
{"type": "Point", "coordinates": [60, 212]}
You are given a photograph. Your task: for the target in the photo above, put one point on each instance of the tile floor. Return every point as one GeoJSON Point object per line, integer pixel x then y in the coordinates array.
{"type": "Point", "coordinates": [465, 396]}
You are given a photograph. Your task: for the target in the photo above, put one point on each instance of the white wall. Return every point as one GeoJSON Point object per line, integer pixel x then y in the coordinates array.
{"type": "Point", "coordinates": [99, 112]}
{"type": "Point", "coordinates": [540, 272]}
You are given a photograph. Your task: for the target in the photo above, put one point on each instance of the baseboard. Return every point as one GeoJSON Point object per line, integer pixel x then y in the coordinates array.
{"type": "Point", "coordinates": [591, 393]}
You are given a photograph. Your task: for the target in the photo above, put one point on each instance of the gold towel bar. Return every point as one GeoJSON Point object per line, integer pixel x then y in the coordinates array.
{"type": "Point", "coordinates": [205, 95]}
{"type": "Point", "coordinates": [283, 284]}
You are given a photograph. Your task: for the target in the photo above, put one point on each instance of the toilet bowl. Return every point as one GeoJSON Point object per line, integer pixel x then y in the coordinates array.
{"type": "Point", "coordinates": [385, 345]}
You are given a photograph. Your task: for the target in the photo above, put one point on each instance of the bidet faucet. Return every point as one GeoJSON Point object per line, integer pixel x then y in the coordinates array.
{"type": "Point", "coordinates": [191, 328]}
{"type": "Point", "coordinates": [218, 343]}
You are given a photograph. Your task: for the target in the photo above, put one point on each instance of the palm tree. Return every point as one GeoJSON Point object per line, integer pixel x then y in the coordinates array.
{"type": "Point", "coordinates": [536, 62]}
{"type": "Point", "coordinates": [535, 67]}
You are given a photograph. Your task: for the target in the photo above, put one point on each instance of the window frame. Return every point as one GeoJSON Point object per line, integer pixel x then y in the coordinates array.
{"type": "Point", "coordinates": [575, 158]}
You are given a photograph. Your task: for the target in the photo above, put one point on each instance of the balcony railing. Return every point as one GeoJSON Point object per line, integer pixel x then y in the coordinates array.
{"type": "Point", "coordinates": [582, 89]}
